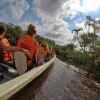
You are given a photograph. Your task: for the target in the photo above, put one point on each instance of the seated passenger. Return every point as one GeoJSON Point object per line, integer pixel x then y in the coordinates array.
{"type": "Point", "coordinates": [51, 52]}
{"type": "Point", "coordinates": [29, 42]}
{"type": "Point", "coordinates": [5, 48]}
{"type": "Point", "coordinates": [42, 51]}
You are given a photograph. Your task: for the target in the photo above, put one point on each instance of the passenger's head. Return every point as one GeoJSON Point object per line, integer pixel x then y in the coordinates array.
{"type": "Point", "coordinates": [50, 48]}
{"type": "Point", "coordinates": [31, 31]}
{"type": "Point", "coordinates": [43, 44]}
{"type": "Point", "coordinates": [2, 31]}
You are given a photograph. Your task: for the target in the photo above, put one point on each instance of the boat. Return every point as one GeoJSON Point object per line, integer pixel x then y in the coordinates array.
{"type": "Point", "coordinates": [14, 82]}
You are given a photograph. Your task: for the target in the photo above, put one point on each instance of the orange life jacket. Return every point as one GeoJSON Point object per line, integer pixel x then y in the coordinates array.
{"type": "Point", "coordinates": [6, 55]}
{"type": "Point", "coordinates": [41, 50]}
{"type": "Point", "coordinates": [28, 43]}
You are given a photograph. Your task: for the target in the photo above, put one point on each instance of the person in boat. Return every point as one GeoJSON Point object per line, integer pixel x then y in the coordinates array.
{"type": "Point", "coordinates": [42, 52]}
{"type": "Point", "coordinates": [5, 48]}
{"type": "Point", "coordinates": [49, 55]}
{"type": "Point", "coordinates": [29, 42]}
{"type": "Point", "coordinates": [51, 52]}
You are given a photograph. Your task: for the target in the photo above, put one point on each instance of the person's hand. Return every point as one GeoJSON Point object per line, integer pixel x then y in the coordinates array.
{"type": "Point", "coordinates": [26, 52]}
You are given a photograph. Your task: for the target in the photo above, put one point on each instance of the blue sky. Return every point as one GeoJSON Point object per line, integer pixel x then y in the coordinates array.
{"type": "Point", "coordinates": [54, 18]}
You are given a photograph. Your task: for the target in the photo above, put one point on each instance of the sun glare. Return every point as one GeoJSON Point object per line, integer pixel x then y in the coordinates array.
{"type": "Point", "coordinates": [91, 5]}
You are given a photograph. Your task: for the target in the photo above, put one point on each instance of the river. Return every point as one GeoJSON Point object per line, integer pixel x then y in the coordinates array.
{"type": "Point", "coordinates": [59, 82]}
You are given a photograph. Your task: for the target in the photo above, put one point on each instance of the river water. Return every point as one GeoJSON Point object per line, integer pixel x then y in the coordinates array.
{"type": "Point", "coordinates": [59, 82]}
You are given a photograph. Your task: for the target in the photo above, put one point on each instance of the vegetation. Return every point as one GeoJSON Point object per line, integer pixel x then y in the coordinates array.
{"type": "Point", "coordinates": [88, 57]}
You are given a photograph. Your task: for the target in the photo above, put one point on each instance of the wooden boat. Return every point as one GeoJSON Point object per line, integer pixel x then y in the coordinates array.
{"type": "Point", "coordinates": [15, 82]}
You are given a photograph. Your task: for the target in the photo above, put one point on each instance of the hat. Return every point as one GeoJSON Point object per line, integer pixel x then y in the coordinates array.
{"type": "Point", "coordinates": [2, 30]}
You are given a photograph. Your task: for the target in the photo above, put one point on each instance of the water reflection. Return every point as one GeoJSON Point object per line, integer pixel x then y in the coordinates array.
{"type": "Point", "coordinates": [32, 89]}
{"type": "Point", "coordinates": [59, 83]}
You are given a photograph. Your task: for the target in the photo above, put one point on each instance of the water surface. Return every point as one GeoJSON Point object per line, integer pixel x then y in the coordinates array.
{"type": "Point", "coordinates": [59, 82]}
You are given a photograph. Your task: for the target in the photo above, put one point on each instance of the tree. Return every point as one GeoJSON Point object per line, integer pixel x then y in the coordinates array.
{"type": "Point", "coordinates": [92, 35]}
{"type": "Point", "coordinates": [70, 47]}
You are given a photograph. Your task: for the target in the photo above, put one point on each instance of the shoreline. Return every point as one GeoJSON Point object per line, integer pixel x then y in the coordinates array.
{"type": "Point", "coordinates": [82, 72]}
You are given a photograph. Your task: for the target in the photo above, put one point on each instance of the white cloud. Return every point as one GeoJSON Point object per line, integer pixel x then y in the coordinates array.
{"type": "Point", "coordinates": [51, 9]}
{"type": "Point", "coordinates": [80, 25]}
{"type": "Point", "coordinates": [71, 8]}
{"type": "Point", "coordinates": [24, 24]}
{"type": "Point", "coordinates": [13, 8]}
{"type": "Point", "coordinates": [53, 27]}
{"type": "Point", "coordinates": [57, 31]}
{"type": "Point", "coordinates": [91, 5]}
{"type": "Point", "coordinates": [47, 9]}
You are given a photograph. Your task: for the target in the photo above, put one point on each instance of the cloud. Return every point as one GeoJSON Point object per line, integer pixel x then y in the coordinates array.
{"type": "Point", "coordinates": [90, 5]}
{"type": "Point", "coordinates": [24, 24]}
{"type": "Point", "coordinates": [50, 15]}
{"type": "Point", "coordinates": [53, 26]}
{"type": "Point", "coordinates": [79, 25]}
{"type": "Point", "coordinates": [70, 9]}
{"type": "Point", "coordinates": [57, 31]}
{"type": "Point", "coordinates": [13, 9]}
{"type": "Point", "coordinates": [48, 9]}
{"type": "Point", "coordinates": [51, 9]}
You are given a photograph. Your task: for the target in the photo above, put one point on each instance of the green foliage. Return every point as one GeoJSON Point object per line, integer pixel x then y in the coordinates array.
{"type": "Point", "coordinates": [13, 32]}
{"type": "Point", "coordinates": [90, 46]}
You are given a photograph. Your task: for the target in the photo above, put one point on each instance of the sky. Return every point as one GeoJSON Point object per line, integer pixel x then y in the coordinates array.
{"type": "Point", "coordinates": [54, 19]}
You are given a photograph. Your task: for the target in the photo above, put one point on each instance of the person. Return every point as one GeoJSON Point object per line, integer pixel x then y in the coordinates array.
{"type": "Point", "coordinates": [51, 52]}
{"type": "Point", "coordinates": [29, 42]}
{"type": "Point", "coordinates": [5, 48]}
{"type": "Point", "coordinates": [42, 51]}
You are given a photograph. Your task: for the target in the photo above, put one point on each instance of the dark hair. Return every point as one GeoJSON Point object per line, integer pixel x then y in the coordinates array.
{"type": "Point", "coordinates": [2, 29]}
{"type": "Point", "coordinates": [45, 45]}
{"type": "Point", "coordinates": [31, 30]}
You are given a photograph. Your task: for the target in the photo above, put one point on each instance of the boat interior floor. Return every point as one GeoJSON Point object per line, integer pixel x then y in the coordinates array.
{"type": "Point", "coordinates": [7, 73]}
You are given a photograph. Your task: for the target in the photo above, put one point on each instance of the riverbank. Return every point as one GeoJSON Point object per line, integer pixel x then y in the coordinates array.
{"type": "Point", "coordinates": [87, 71]}
{"type": "Point", "coordinates": [84, 70]}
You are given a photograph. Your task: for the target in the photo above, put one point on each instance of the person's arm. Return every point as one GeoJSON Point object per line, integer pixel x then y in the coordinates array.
{"type": "Point", "coordinates": [5, 46]}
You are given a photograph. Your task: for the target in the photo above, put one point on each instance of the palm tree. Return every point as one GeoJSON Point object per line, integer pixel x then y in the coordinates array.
{"type": "Point", "coordinates": [91, 22]}
{"type": "Point", "coordinates": [77, 33]}
{"type": "Point", "coordinates": [76, 37]}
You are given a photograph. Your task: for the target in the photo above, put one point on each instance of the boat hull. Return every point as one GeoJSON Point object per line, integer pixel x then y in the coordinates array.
{"type": "Point", "coordinates": [9, 88]}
